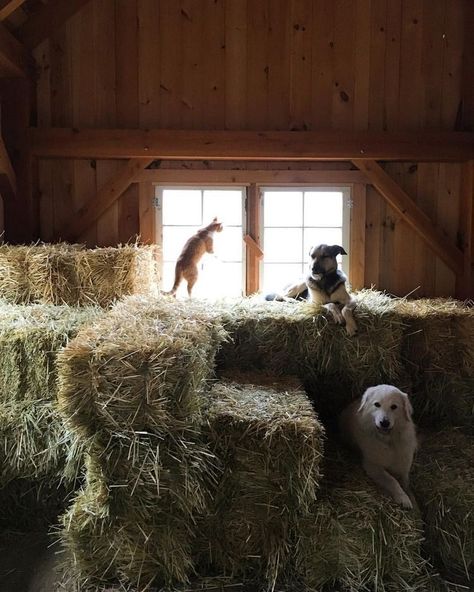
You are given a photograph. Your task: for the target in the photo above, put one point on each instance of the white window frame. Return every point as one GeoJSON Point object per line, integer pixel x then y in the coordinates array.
{"type": "Point", "coordinates": [158, 203]}
{"type": "Point", "coordinates": [347, 203]}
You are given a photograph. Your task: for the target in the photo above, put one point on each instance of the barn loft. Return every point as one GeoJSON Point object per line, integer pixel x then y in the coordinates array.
{"type": "Point", "coordinates": [158, 443]}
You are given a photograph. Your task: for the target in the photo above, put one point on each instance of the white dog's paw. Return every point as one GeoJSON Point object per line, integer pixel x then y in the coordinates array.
{"type": "Point", "coordinates": [404, 501]}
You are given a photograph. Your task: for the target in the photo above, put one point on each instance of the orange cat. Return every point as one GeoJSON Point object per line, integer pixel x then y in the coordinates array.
{"type": "Point", "coordinates": [195, 247]}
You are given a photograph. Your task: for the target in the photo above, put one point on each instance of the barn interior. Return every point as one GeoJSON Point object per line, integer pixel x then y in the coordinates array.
{"type": "Point", "coordinates": [156, 443]}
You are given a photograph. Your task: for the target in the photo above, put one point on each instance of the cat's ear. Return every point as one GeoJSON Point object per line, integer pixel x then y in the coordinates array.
{"type": "Point", "coordinates": [214, 219]}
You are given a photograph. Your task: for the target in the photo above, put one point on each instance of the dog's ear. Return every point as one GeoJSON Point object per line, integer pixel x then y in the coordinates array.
{"type": "Point", "coordinates": [365, 399]}
{"type": "Point", "coordinates": [407, 408]}
{"type": "Point", "coordinates": [336, 250]}
{"type": "Point", "coordinates": [214, 219]}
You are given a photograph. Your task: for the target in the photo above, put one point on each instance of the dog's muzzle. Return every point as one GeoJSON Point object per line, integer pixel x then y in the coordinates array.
{"type": "Point", "coordinates": [317, 272]}
{"type": "Point", "coordinates": [384, 426]}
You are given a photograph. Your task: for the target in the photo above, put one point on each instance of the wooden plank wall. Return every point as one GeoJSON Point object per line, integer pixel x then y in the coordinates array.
{"type": "Point", "coordinates": [262, 64]}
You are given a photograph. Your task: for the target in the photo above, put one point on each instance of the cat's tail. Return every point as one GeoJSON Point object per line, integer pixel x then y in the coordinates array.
{"type": "Point", "coordinates": [178, 278]}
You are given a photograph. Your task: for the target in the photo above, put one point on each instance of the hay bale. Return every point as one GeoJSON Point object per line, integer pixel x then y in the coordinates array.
{"type": "Point", "coordinates": [356, 538]}
{"type": "Point", "coordinates": [14, 279]}
{"type": "Point", "coordinates": [52, 274]}
{"type": "Point", "coordinates": [140, 367]}
{"type": "Point", "coordinates": [301, 339]}
{"type": "Point", "coordinates": [34, 442]}
{"type": "Point", "coordinates": [134, 522]}
{"type": "Point", "coordinates": [131, 388]}
{"type": "Point", "coordinates": [443, 481]}
{"type": "Point", "coordinates": [438, 352]}
{"type": "Point", "coordinates": [70, 274]}
{"type": "Point", "coordinates": [269, 442]}
{"type": "Point", "coordinates": [108, 274]}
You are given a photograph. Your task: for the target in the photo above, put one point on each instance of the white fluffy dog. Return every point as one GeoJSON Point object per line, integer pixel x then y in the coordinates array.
{"type": "Point", "coordinates": [381, 427]}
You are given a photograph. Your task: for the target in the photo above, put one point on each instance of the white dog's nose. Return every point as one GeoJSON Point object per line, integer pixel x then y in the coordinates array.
{"type": "Point", "coordinates": [385, 423]}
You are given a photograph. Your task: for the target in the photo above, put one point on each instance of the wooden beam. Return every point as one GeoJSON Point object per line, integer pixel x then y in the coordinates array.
{"type": "Point", "coordinates": [246, 177]}
{"type": "Point", "coordinates": [9, 6]}
{"type": "Point", "coordinates": [250, 145]}
{"type": "Point", "coordinates": [15, 60]}
{"type": "Point", "coordinates": [412, 214]}
{"type": "Point", "coordinates": [47, 19]}
{"type": "Point", "coordinates": [7, 174]}
{"type": "Point", "coordinates": [106, 196]}
{"type": "Point", "coordinates": [253, 253]}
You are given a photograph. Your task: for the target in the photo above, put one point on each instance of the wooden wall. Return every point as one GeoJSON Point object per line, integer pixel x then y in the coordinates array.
{"type": "Point", "coordinates": [262, 64]}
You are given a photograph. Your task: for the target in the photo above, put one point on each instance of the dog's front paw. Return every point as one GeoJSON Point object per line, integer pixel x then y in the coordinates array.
{"type": "Point", "coordinates": [351, 329]}
{"type": "Point", "coordinates": [404, 501]}
{"type": "Point", "coordinates": [335, 312]}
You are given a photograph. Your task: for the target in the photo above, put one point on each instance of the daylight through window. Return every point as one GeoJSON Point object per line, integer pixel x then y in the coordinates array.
{"type": "Point", "coordinates": [294, 220]}
{"type": "Point", "coordinates": [183, 212]}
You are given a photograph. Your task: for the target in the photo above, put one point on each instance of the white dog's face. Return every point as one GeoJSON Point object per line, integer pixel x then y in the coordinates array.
{"type": "Point", "coordinates": [387, 406]}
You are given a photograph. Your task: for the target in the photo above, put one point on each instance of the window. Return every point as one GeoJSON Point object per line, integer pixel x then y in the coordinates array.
{"type": "Point", "coordinates": [293, 222]}
{"type": "Point", "coordinates": [181, 212]}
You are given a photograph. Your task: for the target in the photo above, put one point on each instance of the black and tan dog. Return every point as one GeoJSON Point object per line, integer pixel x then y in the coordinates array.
{"type": "Point", "coordinates": [325, 284]}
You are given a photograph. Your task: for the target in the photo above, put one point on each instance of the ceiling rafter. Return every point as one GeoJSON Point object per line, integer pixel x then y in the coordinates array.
{"type": "Point", "coordinates": [404, 205]}
{"type": "Point", "coordinates": [7, 7]}
{"type": "Point", "coordinates": [44, 22]}
{"type": "Point", "coordinates": [15, 60]}
{"type": "Point", "coordinates": [105, 197]}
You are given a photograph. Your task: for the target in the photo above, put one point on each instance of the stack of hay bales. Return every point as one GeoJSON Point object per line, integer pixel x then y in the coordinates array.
{"type": "Point", "coordinates": [356, 538]}
{"type": "Point", "coordinates": [35, 450]}
{"type": "Point", "coordinates": [302, 339]}
{"type": "Point", "coordinates": [438, 353]}
{"type": "Point", "coordinates": [131, 390]}
{"type": "Point", "coordinates": [443, 482]}
{"type": "Point", "coordinates": [70, 274]}
{"type": "Point", "coordinates": [269, 442]}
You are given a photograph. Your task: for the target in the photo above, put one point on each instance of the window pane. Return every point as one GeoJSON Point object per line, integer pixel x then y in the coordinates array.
{"type": "Point", "coordinates": [283, 244]}
{"type": "Point", "coordinates": [317, 236]}
{"type": "Point", "coordinates": [219, 279]}
{"type": "Point", "coordinates": [223, 203]}
{"type": "Point", "coordinates": [216, 279]}
{"type": "Point", "coordinates": [228, 244]}
{"type": "Point", "coordinates": [174, 239]}
{"type": "Point", "coordinates": [283, 208]}
{"type": "Point", "coordinates": [182, 206]}
{"type": "Point", "coordinates": [168, 277]}
{"type": "Point", "coordinates": [277, 275]}
{"type": "Point", "coordinates": [323, 208]}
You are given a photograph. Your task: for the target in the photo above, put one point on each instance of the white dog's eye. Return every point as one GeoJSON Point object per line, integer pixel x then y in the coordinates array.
{"type": "Point", "coordinates": [393, 407]}
{"type": "Point", "coordinates": [377, 404]}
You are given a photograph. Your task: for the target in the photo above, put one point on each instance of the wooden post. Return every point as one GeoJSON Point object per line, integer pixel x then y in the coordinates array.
{"type": "Point", "coordinates": [465, 283]}
{"type": "Point", "coordinates": [253, 251]}
{"type": "Point", "coordinates": [21, 213]}
{"type": "Point", "coordinates": [357, 246]}
{"type": "Point", "coordinates": [147, 213]}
